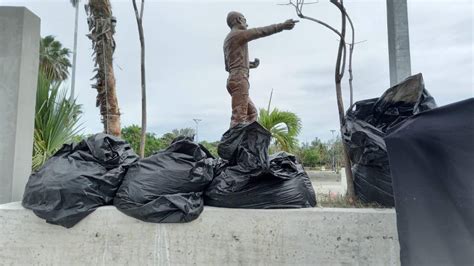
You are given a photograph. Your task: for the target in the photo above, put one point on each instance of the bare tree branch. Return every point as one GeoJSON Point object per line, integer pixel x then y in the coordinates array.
{"type": "Point", "coordinates": [139, 18]}
{"type": "Point", "coordinates": [141, 10]}
{"type": "Point", "coordinates": [351, 51]}
{"type": "Point", "coordinates": [342, 44]}
{"type": "Point", "coordinates": [299, 11]}
{"type": "Point", "coordinates": [338, 75]}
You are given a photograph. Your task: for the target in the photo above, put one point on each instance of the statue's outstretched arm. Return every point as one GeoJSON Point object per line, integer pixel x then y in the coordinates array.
{"type": "Point", "coordinates": [255, 33]}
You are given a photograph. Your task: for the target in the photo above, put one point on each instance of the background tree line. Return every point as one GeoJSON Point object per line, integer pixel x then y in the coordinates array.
{"type": "Point", "coordinates": [321, 154]}
{"type": "Point", "coordinates": [315, 154]}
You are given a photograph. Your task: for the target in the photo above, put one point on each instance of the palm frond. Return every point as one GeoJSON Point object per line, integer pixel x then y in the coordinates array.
{"type": "Point", "coordinates": [54, 59]}
{"type": "Point", "coordinates": [283, 125]}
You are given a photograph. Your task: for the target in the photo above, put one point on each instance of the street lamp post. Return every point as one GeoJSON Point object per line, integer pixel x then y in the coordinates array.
{"type": "Point", "coordinates": [196, 120]}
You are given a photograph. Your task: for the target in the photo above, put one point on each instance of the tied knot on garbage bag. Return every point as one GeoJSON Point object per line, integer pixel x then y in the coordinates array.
{"type": "Point", "coordinates": [246, 177]}
{"type": "Point", "coordinates": [368, 122]}
{"type": "Point", "coordinates": [78, 179]}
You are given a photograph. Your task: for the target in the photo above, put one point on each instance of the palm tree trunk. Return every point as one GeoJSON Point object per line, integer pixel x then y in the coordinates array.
{"type": "Point", "coordinates": [74, 55]}
{"type": "Point", "coordinates": [102, 28]}
{"type": "Point", "coordinates": [109, 108]}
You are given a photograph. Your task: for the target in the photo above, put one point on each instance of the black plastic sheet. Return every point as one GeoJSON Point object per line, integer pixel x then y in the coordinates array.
{"type": "Point", "coordinates": [167, 186]}
{"type": "Point", "coordinates": [78, 179]}
{"type": "Point", "coordinates": [366, 126]}
{"type": "Point", "coordinates": [249, 178]}
{"type": "Point", "coordinates": [432, 161]}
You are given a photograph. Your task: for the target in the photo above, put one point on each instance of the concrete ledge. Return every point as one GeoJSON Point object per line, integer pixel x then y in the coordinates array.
{"type": "Point", "coordinates": [318, 236]}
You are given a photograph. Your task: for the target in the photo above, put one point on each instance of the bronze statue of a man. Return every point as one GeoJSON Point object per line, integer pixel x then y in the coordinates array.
{"type": "Point", "coordinates": [237, 63]}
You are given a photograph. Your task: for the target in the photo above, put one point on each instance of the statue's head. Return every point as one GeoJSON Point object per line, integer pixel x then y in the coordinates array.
{"type": "Point", "coordinates": [236, 19]}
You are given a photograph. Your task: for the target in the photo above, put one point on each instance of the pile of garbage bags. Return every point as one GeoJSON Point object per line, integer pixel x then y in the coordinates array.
{"type": "Point", "coordinates": [367, 124]}
{"type": "Point", "coordinates": [170, 186]}
{"type": "Point", "coordinates": [248, 178]}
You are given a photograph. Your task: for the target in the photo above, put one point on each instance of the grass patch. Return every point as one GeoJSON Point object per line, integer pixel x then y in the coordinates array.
{"type": "Point", "coordinates": [338, 201]}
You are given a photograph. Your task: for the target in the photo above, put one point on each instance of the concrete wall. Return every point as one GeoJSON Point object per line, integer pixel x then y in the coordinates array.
{"type": "Point", "coordinates": [19, 48]}
{"type": "Point", "coordinates": [219, 236]}
{"type": "Point", "coordinates": [325, 189]}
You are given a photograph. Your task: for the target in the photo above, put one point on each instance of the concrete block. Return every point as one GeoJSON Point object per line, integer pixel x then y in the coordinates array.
{"type": "Point", "coordinates": [324, 189]}
{"type": "Point", "coordinates": [220, 236]}
{"type": "Point", "coordinates": [19, 48]}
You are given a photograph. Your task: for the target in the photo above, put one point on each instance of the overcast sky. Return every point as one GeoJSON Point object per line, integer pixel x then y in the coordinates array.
{"type": "Point", "coordinates": [185, 66]}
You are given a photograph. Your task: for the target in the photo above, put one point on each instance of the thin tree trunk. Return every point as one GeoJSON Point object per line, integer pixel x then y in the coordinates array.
{"type": "Point", "coordinates": [74, 55]}
{"type": "Point", "coordinates": [338, 78]}
{"type": "Point", "coordinates": [102, 28]}
{"type": "Point", "coordinates": [270, 102]}
{"type": "Point", "coordinates": [339, 73]}
{"type": "Point", "coordinates": [139, 18]}
{"type": "Point", "coordinates": [351, 51]}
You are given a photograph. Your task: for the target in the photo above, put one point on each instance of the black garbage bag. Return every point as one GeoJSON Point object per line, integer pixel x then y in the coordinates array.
{"type": "Point", "coordinates": [78, 179]}
{"type": "Point", "coordinates": [167, 186]}
{"type": "Point", "coordinates": [365, 127]}
{"type": "Point", "coordinates": [249, 178]}
{"type": "Point", "coordinates": [247, 146]}
{"type": "Point", "coordinates": [432, 160]}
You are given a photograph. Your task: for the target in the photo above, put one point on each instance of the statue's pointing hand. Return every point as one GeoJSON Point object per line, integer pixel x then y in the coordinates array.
{"type": "Point", "coordinates": [289, 24]}
{"type": "Point", "coordinates": [255, 63]}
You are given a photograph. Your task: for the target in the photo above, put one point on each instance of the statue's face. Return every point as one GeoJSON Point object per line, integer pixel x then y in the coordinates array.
{"type": "Point", "coordinates": [242, 22]}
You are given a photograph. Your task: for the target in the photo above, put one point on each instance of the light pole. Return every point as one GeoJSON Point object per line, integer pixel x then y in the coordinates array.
{"type": "Point", "coordinates": [333, 151]}
{"type": "Point", "coordinates": [197, 120]}
{"type": "Point", "coordinates": [74, 54]}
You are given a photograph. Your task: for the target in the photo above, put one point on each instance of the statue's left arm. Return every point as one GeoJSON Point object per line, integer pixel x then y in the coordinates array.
{"type": "Point", "coordinates": [255, 63]}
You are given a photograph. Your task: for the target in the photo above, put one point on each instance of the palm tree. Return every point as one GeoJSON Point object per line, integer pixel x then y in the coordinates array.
{"type": "Point", "coordinates": [284, 127]}
{"type": "Point", "coordinates": [101, 32]}
{"type": "Point", "coordinates": [75, 4]}
{"type": "Point", "coordinates": [54, 59]}
{"type": "Point", "coordinates": [56, 118]}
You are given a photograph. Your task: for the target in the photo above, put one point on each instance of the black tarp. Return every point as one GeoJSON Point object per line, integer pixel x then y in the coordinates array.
{"type": "Point", "coordinates": [247, 177]}
{"type": "Point", "coordinates": [367, 123]}
{"type": "Point", "coordinates": [167, 186]}
{"type": "Point", "coordinates": [78, 179]}
{"type": "Point", "coordinates": [432, 162]}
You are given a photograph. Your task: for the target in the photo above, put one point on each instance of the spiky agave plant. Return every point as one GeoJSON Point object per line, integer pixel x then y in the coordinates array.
{"type": "Point", "coordinates": [283, 125]}
{"type": "Point", "coordinates": [56, 119]}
